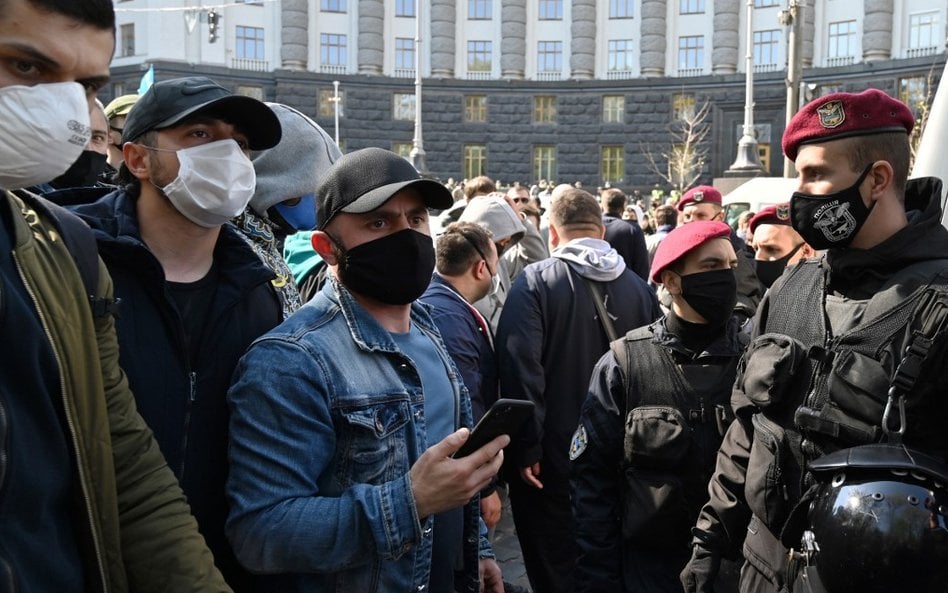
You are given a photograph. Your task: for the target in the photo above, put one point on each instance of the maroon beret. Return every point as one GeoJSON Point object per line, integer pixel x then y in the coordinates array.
{"type": "Point", "coordinates": [682, 240]}
{"type": "Point", "coordinates": [778, 214]}
{"type": "Point", "coordinates": [703, 194]}
{"type": "Point", "coordinates": [842, 115]}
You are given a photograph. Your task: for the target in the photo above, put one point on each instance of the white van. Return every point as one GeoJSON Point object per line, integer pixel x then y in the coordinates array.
{"type": "Point", "coordinates": [756, 194]}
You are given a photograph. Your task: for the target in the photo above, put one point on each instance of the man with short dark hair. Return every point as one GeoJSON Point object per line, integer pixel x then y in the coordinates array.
{"type": "Point", "coordinates": [552, 331]}
{"type": "Point", "coordinates": [625, 237]}
{"type": "Point", "coordinates": [87, 503]}
{"type": "Point", "coordinates": [195, 294]}
{"type": "Point", "coordinates": [848, 352]}
{"type": "Point", "coordinates": [342, 475]}
{"type": "Point", "coordinates": [666, 219]}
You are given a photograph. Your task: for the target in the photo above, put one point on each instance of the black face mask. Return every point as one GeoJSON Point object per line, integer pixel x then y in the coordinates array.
{"type": "Point", "coordinates": [711, 294]}
{"type": "Point", "coordinates": [82, 173]}
{"type": "Point", "coordinates": [769, 270]}
{"type": "Point", "coordinates": [395, 269]}
{"type": "Point", "coordinates": [830, 220]}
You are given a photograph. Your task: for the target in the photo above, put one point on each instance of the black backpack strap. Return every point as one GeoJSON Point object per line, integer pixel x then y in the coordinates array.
{"type": "Point", "coordinates": [81, 244]}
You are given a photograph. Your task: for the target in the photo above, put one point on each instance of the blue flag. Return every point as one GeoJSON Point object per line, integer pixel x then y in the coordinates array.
{"type": "Point", "coordinates": [148, 79]}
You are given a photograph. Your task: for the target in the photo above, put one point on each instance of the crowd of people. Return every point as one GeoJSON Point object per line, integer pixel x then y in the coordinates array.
{"type": "Point", "coordinates": [239, 360]}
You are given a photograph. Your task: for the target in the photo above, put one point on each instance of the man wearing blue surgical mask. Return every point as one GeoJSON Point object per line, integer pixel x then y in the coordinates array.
{"type": "Point", "coordinates": [194, 294]}
{"type": "Point", "coordinates": [284, 202]}
{"type": "Point", "coordinates": [87, 502]}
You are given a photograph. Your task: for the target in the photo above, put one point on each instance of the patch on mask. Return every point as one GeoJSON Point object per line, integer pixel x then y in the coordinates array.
{"type": "Point", "coordinates": [578, 444]}
{"type": "Point", "coordinates": [783, 212]}
{"type": "Point", "coordinates": [835, 221]}
{"type": "Point", "coordinates": [831, 114]}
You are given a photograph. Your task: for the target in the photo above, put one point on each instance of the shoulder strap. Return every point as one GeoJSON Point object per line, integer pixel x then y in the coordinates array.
{"type": "Point", "coordinates": [604, 319]}
{"type": "Point", "coordinates": [635, 355]}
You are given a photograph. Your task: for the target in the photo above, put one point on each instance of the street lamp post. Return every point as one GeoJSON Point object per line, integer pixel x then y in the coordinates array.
{"type": "Point", "coordinates": [793, 16]}
{"type": "Point", "coordinates": [748, 157]}
{"type": "Point", "coordinates": [417, 154]}
{"type": "Point", "coordinates": [335, 101]}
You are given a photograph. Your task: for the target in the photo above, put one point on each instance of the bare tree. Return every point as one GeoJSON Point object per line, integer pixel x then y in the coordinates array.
{"type": "Point", "coordinates": [683, 161]}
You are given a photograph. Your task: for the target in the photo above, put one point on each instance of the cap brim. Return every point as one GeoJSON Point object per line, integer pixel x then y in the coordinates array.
{"type": "Point", "coordinates": [251, 116]}
{"type": "Point", "coordinates": [432, 193]}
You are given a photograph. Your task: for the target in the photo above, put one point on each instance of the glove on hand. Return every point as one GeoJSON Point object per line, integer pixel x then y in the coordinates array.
{"type": "Point", "coordinates": [701, 571]}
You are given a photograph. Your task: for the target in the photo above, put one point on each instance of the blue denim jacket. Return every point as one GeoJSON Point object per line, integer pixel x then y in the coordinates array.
{"type": "Point", "coordinates": [327, 420]}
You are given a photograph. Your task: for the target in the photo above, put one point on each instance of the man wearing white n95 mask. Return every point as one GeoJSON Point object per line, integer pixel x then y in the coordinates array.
{"type": "Point", "coordinates": [194, 294]}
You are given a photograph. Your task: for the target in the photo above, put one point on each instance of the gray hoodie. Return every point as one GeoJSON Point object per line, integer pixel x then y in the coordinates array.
{"type": "Point", "coordinates": [591, 258]}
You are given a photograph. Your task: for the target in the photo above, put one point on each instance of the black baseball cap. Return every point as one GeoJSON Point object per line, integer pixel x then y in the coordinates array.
{"type": "Point", "coordinates": [363, 180]}
{"type": "Point", "coordinates": [168, 102]}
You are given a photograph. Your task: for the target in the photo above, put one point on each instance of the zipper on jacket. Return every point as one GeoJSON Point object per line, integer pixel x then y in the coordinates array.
{"type": "Point", "coordinates": [70, 421]}
{"type": "Point", "coordinates": [192, 395]}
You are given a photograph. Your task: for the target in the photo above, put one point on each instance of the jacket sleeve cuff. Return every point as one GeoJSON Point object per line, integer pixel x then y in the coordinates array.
{"type": "Point", "coordinates": [402, 530]}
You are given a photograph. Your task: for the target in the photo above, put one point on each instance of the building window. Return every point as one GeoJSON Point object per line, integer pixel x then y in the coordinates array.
{"type": "Point", "coordinates": [128, 40]}
{"type": "Point", "coordinates": [620, 9]}
{"type": "Point", "coordinates": [250, 90]}
{"type": "Point", "coordinates": [479, 56]}
{"type": "Point", "coordinates": [544, 162]}
{"type": "Point", "coordinates": [691, 54]}
{"type": "Point", "coordinates": [404, 53]}
{"type": "Point", "coordinates": [549, 56]}
{"type": "Point", "coordinates": [250, 43]}
{"type": "Point", "coordinates": [332, 49]}
{"type": "Point", "coordinates": [763, 151]}
{"type": "Point", "coordinates": [766, 47]}
{"type": "Point", "coordinates": [913, 92]}
{"type": "Point", "coordinates": [765, 3]}
{"type": "Point", "coordinates": [405, 8]}
{"type": "Point", "coordinates": [403, 149]}
{"type": "Point", "coordinates": [332, 5]}
{"type": "Point", "coordinates": [612, 164]}
{"type": "Point", "coordinates": [403, 107]}
{"type": "Point", "coordinates": [620, 55]}
{"type": "Point", "coordinates": [691, 6]}
{"type": "Point", "coordinates": [923, 30]}
{"type": "Point", "coordinates": [683, 106]}
{"type": "Point", "coordinates": [551, 10]}
{"type": "Point", "coordinates": [118, 89]}
{"type": "Point", "coordinates": [475, 108]}
{"type": "Point", "coordinates": [327, 103]}
{"type": "Point", "coordinates": [613, 109]}
{"type": "Point", "coordinates": [479, 9]}
{"type": "Point", "coordinates": [842, 39]}
{"type": "Point", "coordinates": [475, 160]}
{"type": "Point", "coordinates": [544, 109]}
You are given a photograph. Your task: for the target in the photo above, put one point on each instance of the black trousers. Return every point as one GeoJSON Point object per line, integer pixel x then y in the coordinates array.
{"type": "Point", "coordinates": [547, 532]}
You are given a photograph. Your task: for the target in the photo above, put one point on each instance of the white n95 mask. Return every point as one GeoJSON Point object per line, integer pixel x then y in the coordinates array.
{"type": "Point", "coordinates": [214, 184]}
{"type": "Point", "coordinates": [43, 129]}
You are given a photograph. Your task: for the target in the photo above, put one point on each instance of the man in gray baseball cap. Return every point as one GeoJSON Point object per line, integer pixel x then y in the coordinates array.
{"type": "Point", "coordinates": [341, 460]}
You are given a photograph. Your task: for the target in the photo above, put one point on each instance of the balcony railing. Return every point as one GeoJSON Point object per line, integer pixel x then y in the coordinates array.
{"type": "Point", "coordinates": [403, 73]}
{"type": "Point", "coordinates": [332, 68]}
{"type": "Point", "coordinates": [619, 74]}
{"type": "Point", "coordinates": [555, 75]}
{"type": "Point", "coordinates": [690, 72]}
{"type": "Point", "coordinates": [478, 74]}
{"type": "Point", "coordinates": [249, 64]}
{"type": "Point", "coordinates": [766, 67]}
{"type": "Point", "coordinates": [840, 61]}
{"type": "Point", "coordinates": [919, 52]}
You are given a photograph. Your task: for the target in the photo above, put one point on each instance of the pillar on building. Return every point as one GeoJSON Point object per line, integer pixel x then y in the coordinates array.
{"type": "Point", "coordinates": [809, 32]}
{"type": "Point", "coordinates": [513, 44]}
{"type": "Point", "coordinates": [653, 38]}
{"type": "Point", "coordinates": [726, 37]}
{"type": "Point", "coordinates": [444, 19]}
{"type": "Point", "coordinates": [371, 42]}
{"type": "Point", "coordinates": [294, 15]}
{"type": "Point", "coordinates": [582, 61]}
{"type": "Point", "coordinates": [877, 30]}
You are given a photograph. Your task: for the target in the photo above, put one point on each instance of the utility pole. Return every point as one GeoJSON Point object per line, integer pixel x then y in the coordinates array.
{"type": "Point", "coordinates": [417, 154]}
{"type": "Point", "coordinates": [792, 16]}
{"type": "Point", "coordinates": [747, 163]}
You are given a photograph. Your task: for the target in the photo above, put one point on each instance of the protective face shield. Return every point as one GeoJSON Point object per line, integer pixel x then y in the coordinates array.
{"type": "Point", "coordinates": [878, 523]}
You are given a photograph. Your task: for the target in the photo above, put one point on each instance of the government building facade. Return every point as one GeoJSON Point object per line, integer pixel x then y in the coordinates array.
{"type": "Point", "coordinates": [524, 90]}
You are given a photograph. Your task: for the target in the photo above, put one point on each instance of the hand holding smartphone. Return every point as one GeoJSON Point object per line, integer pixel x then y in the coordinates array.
{"type": "Point", "coordinates": [506, 416]}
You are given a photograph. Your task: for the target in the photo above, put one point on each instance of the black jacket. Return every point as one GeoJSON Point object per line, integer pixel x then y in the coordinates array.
{"type": "Point", "coordinates": [629, 240]}
{"type": "Point", "coordinates": [184, 405]}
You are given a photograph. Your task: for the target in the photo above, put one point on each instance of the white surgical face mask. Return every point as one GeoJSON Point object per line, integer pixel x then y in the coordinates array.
{"type": "Point", "coordinates": [494, 283]}
{"type": "Point", "coordinates": [214, 184]}
{"type": "Point", "coordinates": [43, 129]}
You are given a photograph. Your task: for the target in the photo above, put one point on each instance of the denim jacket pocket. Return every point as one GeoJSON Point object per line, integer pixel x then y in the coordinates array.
{"type": "Point", "coordinates": [372, 442]}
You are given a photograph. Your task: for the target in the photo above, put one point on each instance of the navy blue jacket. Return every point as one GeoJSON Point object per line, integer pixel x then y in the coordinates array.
{"type": "Point", "coordinates": [184, 405]}
{"type": "Point", "coordinates": [629, 240]}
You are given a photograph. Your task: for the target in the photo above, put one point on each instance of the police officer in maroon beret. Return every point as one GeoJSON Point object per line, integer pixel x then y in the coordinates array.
{"type": "Point", "coordinates": [653, 419]}
{"type": "Point", "coordinates": [776, 244]}
{"type": "Point", "coordinates": [848, 351]}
